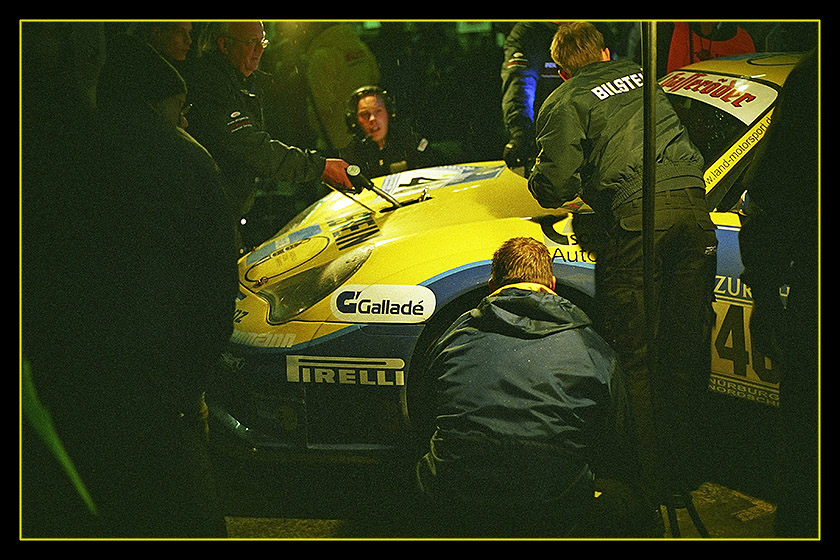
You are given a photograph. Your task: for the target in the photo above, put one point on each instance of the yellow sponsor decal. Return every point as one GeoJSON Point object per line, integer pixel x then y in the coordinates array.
{"type": "Point", "coordinates": [739, 149]}
{"type": "Point", "coordinates": [345, 370]}
{"type": "Point", "coordinates": [739, 368]}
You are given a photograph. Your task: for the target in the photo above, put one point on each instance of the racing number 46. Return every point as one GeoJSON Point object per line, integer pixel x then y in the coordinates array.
{"type": "Point", "coordinates": [731, 345]}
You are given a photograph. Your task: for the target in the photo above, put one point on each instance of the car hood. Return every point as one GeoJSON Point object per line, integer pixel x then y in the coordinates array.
{"type": "Point", "coordinates": [459, 212]}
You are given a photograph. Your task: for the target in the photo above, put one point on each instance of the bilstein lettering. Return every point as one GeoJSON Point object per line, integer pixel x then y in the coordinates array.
{"type": "Point", "coordinates": [618, 86]}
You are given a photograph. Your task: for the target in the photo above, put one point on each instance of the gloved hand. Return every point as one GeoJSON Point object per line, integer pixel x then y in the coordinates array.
{"type": "Point", "coordinates": [359, 181]}
{"type": "Point", "coordinates": [517, 150]}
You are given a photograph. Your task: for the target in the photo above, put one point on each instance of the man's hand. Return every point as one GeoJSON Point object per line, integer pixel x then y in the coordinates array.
{"type": "Point", "coordinates": [335, 174]}
{"type": "Point", "coordinates": [516, 150]}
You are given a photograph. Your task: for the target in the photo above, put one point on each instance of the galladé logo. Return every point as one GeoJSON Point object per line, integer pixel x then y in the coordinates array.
{"type": "Point", "coordinates": [383, 303]}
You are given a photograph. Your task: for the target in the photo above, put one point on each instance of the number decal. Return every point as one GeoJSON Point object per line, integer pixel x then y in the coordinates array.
{"type": "Point", "coordinates": [738, 368]}
{"type": "Point", "coordinates": [731, 343]}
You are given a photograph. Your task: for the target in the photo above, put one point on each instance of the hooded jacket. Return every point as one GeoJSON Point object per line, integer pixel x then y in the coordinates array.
{"type": "Point", "coordinates": [526, 389]}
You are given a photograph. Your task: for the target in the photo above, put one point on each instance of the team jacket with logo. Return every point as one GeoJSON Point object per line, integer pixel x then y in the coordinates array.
{"type": "Point", "coordinates": [590, 137]}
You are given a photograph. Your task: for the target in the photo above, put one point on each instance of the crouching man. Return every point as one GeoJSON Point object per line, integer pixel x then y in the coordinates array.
{"type": "Point", "coordinates": [531, 409]}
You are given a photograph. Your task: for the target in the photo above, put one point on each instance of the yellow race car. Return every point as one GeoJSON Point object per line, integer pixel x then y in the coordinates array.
{"type": "Point", "coordinates": [337, 310]}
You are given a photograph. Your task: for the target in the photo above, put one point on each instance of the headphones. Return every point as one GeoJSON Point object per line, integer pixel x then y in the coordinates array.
{"type": "Point", "coordinates": [353, 106]}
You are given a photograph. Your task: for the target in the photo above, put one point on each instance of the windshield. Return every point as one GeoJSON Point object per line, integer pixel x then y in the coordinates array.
{"type": "Point", "coordinates": [726, 116]}
{"type": "Point", "coordinates": [711, 129]}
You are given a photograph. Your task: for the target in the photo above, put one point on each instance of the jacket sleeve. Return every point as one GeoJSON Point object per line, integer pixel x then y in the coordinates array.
{"type": "Point", "coordinates": [236, 133]}
{"type": "Point", "coordinates": [278, 161]}
{"type": "Point", "coordinates": [228, 123]}
{"type": "Point", "coordinates": [556, 177]}
{"type": "Point", "coordinates": [526, 50]}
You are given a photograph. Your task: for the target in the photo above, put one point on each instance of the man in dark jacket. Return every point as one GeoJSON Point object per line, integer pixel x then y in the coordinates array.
{"type": "Point", "coordinates": [126, 372]}
{"type": "Point", "coordinates": [790, 334]}
{"type": "Point", "coordinates": [530, 404]}
{"type": "Point", "coordinates": [528, 76]}
{"type": "Point", "coordinates": [227, 118]}
{"type": "Point", "coordinates": [590, 134]}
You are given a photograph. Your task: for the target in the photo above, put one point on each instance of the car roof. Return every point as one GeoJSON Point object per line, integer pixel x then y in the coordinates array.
{"type": "Point", "coordinates": [766, 67]}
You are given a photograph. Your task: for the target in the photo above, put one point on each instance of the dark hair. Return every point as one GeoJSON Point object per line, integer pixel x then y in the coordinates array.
{"type": "Point", "coordinates": [134, 72]}
{"type": "Point", "coordinates": [521, 259]}
{"type": "Point", "coordinates": [358, 95]}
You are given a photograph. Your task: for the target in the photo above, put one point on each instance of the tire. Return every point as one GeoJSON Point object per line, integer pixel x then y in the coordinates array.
{"type": "Point", "coordinates": [419, 386]}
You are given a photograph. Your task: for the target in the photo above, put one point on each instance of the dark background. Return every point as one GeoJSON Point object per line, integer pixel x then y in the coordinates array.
{"type": "Point", "coordinates": [444, 77]}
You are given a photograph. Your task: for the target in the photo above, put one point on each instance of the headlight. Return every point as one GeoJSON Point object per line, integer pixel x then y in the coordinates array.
{"type": "Point", "coordinates": [291, 296]}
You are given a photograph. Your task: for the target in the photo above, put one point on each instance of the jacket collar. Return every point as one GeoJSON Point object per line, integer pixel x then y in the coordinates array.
{"type": "Point", "coordinates": [534, 287]}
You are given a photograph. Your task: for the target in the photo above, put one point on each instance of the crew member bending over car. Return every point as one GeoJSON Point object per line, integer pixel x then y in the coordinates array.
{"type": "Point", "coordinates": [590, 135]}
{"type": "Point", "coordinates": [531, 404]}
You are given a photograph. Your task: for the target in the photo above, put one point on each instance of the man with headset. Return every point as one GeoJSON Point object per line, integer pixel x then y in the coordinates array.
{"type": "Point", "coordinates": [382, 143]}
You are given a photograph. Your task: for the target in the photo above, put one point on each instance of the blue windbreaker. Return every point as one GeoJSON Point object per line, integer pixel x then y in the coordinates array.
{"type": "Point", "coordinates": [525, 386]}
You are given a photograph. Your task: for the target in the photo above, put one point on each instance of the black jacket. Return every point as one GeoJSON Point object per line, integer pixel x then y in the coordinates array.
{"type": "Point", "coordinates": [590, 137]}
{"type": "Point", "coordinates": [227, 119]}
{"type": "Point", "coordinates": [404, 149]}
{"type": "Point", "coordinates": [526, 385]}
{"type": "Point", "coordinates": [528, 74]}
{"type": "Point", "coordinates": [171, 244]}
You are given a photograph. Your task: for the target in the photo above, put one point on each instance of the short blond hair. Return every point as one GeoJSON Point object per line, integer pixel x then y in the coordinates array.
{"type": "Point", "coordinates": [521, 259]}
{"type": "Point", "coordinates": [575, 45]}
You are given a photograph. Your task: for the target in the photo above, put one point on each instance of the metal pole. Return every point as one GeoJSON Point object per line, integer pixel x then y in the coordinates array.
{"type": "Point", "coordinates": [648, 234]}
{"type": "Point", "coordinates": [649, 175]}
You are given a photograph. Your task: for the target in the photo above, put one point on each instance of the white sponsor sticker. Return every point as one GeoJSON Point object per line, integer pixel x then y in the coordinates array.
{"type": "Point", "coordinates": [383, 303]}
{"type": "Point", "coordinates": [741, 98]}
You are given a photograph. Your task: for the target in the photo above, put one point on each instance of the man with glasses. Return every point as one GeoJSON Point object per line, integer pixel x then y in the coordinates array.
{"type": "Point", "coordinates": [227, 118]}
{"type": "Point", "coordinates": [243, 46]}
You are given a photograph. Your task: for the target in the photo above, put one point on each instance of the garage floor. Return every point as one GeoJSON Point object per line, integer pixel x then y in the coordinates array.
{"type": "Point", "coordinates": [724, 513]}
{"type": "Point", "coordinates": [341, 506]}
{"type": "Point", "coordinates": [338, 502]}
